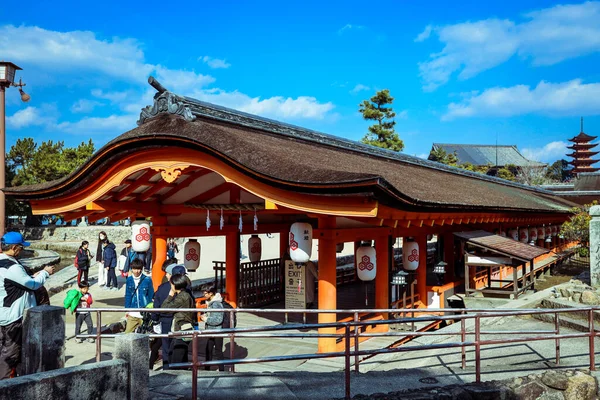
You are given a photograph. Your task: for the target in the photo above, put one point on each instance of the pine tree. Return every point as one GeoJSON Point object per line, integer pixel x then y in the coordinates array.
{"type": "Point", "coordinates": [381, 134]}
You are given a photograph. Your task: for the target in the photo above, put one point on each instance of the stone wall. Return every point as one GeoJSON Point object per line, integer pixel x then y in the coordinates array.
{"type": "Point", "coordinates": [117, 234]}
{"type": "Point", "coordinates": [103, 380]}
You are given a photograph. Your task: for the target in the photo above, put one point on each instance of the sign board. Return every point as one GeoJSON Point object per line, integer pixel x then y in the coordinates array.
{"type": "Point", "coordinates": [295, 288]}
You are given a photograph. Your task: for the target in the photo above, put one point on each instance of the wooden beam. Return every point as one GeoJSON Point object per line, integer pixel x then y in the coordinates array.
{"type": "Point", "coordinates": [158, 186]}
{"type": "Point", "coordinates": [149, 208]}
{"type": "Point", "coordinates": [211, 193]}
{"type": "Point", "coordinates": [133, 184]}
{"type": "Point", "coordinates": [185, 183]}
{"type": "Point", "coordinates": [94, 206]}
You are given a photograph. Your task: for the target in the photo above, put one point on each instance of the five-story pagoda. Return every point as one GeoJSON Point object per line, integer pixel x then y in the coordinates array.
{"type": "Point", "coordinates": [582, 152]}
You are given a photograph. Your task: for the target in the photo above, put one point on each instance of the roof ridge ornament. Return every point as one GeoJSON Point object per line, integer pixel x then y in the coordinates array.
{"type": "Point", "coordinates": [165, 102]}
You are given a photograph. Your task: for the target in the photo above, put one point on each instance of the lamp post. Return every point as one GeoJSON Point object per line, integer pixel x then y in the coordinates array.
{"type": "Point", "coordinates": [7, 79]}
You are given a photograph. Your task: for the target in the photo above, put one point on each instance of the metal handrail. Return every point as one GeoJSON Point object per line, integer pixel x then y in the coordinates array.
{"type": "Point", "coordinates": [277, 331]}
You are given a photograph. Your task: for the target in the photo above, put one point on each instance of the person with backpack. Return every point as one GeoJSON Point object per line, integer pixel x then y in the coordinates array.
{"type": "Point", "coordinates": [138, 294]}
{"type": "Point", "coordinates": [179, 297]}
{"type": "Point", "coordinates": [77, 301]}
{"type": "Point", "coordinates": [214, 320]}
{"type": "Point", "coordinates": [82, 261]}
{"type": "Point", "coordinates": [129, 255]}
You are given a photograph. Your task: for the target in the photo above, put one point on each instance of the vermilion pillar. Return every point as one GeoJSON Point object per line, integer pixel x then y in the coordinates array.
{"type": "Point", "coordinates": [422, 270]}
{"type": "Point", "coordinates": [382, 278]}
{"type": "Point", "coordinates": [232, 266]}
{"type": "Point", "coordinates": [327, 282]}
{"type": "Point", "coordinates": [159, 256]}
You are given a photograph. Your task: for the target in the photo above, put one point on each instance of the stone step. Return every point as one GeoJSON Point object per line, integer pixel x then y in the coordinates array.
{"type": "Point", "coordinates": [576, 324]}
{"type": "Point", "coordinates": [551, 303]}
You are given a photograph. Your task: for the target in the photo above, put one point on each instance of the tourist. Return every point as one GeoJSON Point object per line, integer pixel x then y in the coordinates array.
{"type": "Point", "coordinates": [99, 254]}
{"type": "Point", "coordinates": [172, 249]}
{"type": "Point", "coordinates": [78, 301]}
{"type": "Point", "coordinates": [82, 261]}
{"type": "Point", "coordinates": [179, 297]}
{"type": "Point", "coordinates": [213, 320]}
{"type": "Point", "coordinates": [138, 294]}
{"type": "Point", "coordinates": [16, 294]}
{"type": "Point", "coordinates": [109, 255]}
{"type": "Point", "coordinates": [311, 275]}
{"type": "Point", "coordinates": [130, 255]}
{"type": "Point", "coordinates": [165, 319]}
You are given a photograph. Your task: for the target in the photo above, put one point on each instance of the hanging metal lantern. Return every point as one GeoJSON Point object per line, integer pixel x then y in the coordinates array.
{"type": "Point", "coordinates": [429, 237]}
{"type": "Point", "coordinates": [514, 234]}
{"type": "Point", "coordinates": [140, 236]}
{"type": "Point", "coordinates": [524, 235]}
{"type": "Point", "coordinates": [339, 247]}
{"type": "Point", "coordinates": [502, 233]}
{"type": "Point", "coordinates": [191, 255]}
{"type": "Point", "coordinates": [410, 255]}
{"type": "Point", "coordinates": [366, 263]}
{"type": "Point", "coordinates": [300, 242]}
{"type": "Point", "coordinates": [533, 234]}
{"type": "Point", "coordinates": [254, 248]}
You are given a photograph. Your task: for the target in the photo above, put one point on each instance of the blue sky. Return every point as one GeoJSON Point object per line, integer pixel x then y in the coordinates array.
{"type": "Point", "coordinates": [521, 71]}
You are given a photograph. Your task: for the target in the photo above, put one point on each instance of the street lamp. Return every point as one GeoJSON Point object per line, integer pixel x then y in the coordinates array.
{"type": "Point", "coordinates": [7, 79]}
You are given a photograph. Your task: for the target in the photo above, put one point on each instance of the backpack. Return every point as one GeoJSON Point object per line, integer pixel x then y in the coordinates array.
{"type": "Point", "coordinates": [227, 317]}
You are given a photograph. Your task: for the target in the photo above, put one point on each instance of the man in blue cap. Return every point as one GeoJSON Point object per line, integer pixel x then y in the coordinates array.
{"type": "Point", "coordinates": [17, 289]}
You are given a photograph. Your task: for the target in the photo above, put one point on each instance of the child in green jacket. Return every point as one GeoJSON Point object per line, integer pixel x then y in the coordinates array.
{"type": "Point", "coordinates": [77, 301]}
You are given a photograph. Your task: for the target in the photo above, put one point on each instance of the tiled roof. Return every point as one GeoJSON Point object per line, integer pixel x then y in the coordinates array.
{"type": "Point", "coordinates": [481, 154]}
{"type": "Point", "coordinates": [502, 245]}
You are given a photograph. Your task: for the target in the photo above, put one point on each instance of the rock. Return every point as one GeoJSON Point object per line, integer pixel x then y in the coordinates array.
{"type": "Point", "coordinates": [555, 380]}
{"type": "Point", "coordinates": [590, 298]}
{"type": "Point", "coordinates": [530, 391]}
{"type": "Point", "coordinates": [564, 292]}
{"type": "Point", "coordinates": [552, 396]}
{"type": "Point", "coordinates": [576, 297]}
{"type": "Point", "coordinates": [518, 381]}
{"type": "Point", "coordinates": [581, 387]}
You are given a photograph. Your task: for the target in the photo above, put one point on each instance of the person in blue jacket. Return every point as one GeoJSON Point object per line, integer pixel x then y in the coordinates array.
{"type": "Point", "coordinates": [138, 294]}
{"type": "Point", "coordinates": [109, 255]}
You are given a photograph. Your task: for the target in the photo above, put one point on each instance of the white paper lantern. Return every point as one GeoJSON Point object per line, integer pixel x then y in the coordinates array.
{"type": "Point", "coordinates": [514, 234]}
{"type": "Point", "coordinates": [533, 234]}
{"type": "Point", "coordinates": [554, 230]}
{"type": "Point", "coordinates": [366, 263]}
{"type": "Point", "coordinates": [254, 248]}
{"type": "Point", "coordinates": [524, 235]}
{"type": "Point", "coordinates": [410, 255]}
{"type": "Point", "coordinates": [540, 232]}
{"type": "Point", "coordinates": [191, 255]}
{"type": "Point", "coordinates": [140, 236]}
{"type": "Point", "coordinates": [339, 247]}
{"type": "Point", "coordinates": [300, 242]}
{"type": "Point", "coordinates": [548, 231]}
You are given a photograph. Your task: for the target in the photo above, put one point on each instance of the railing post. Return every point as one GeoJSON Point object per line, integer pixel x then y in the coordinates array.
{"type": "Point", "coordinates": [356, 336]}
{"type": "Point", "coordinates": [592, 335]}
{"type": "Point", "coordinates": [557, 332]}
{"type": "Point", "coordinates": [194, 365]}
{"type": "Point", "coordinates": [463, 338]}
{"type": "Point", "coordinates": [477, 349]}
{"type": "Point", "coordinates": [231, 340]}
{"type": "Point", "coordinates": [98, 337]}
{"type": "Point", "coordinates": [347, 357]}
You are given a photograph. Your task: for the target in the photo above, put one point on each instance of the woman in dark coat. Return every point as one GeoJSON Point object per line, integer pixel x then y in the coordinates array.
{"type": "Point", "coordinates": [101, 271]}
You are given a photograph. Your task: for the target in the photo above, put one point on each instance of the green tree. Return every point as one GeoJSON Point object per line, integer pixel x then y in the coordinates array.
{"type": "Point", "coordinates": [442, 156]}
{"type": "Point", "coordinates": [559, 171]}
{"type": "Point", "coordinates": [578, 227]}
{"type": "Point", "coordinates": [381, 134]}
{"type": "Point", "coordinates": [27, 164]}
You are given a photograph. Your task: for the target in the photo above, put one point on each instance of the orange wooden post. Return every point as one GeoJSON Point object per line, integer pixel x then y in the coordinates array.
{"type": "Point", "coordinates": [327, 283]}
{"type": "Point", "coordinates": [422, 270]}
{"type": "Point", "coordinates": [232, 266]}
{"type": "Point", "coordinates": [382, 278]}
{"type": "Point", "coordinates": [159, 256]}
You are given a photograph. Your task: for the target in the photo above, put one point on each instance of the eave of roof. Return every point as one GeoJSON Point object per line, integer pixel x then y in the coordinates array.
{"type": "Point", "coordinates": [503, 245]}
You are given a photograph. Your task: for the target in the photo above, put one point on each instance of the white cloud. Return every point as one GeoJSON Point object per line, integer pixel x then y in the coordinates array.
{"type": "Point", "coordinates": [274, 107]}
{"type": "Point", "coordinates": [84, 106]}
{"type": "Point", "coordinates": [402, 114]}
{"type": "Point", "coordinates": [425, 34]}
{"type": "Point", "coordinates": [32, 116]}
{"type": "Point", "coordinates": [89, 125]}
{"type": "Point", "coordinates": [546, 37]}
{"type": "Point", "coordinates": [348, 27]}
{"type": "Point", "coordinates": [424, 156]}
{"type": "Point", "coordinates": [360, 87]}
{"type": "Point", "coordinates": [214, 63]}
{"type": "Point", "coordinates": [548, 153]}
{"type": "Point", "coordinates": [572, 98]}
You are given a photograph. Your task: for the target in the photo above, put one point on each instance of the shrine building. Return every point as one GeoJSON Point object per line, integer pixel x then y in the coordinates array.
{"type": "Point", "coordinates": [189, 160]}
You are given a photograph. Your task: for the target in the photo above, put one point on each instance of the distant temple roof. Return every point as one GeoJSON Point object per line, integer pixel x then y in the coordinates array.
{"type": "Point", "coordinates": [582, 137]}
{"type": "Point", "coordinates": [482, 154]}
